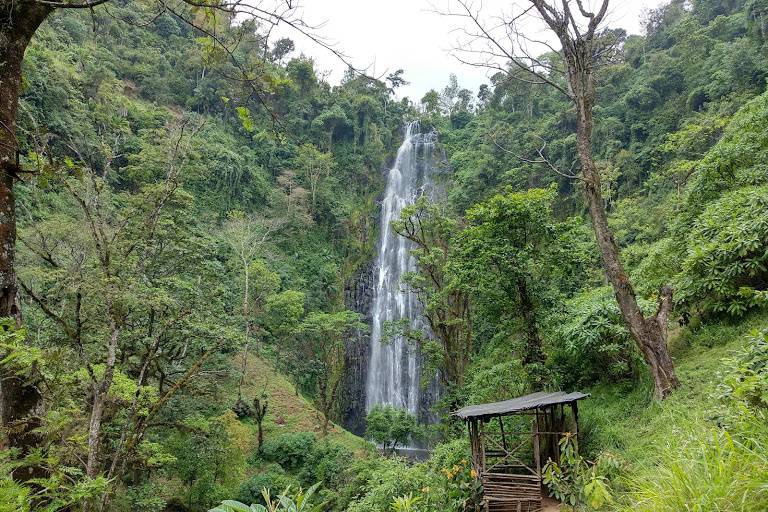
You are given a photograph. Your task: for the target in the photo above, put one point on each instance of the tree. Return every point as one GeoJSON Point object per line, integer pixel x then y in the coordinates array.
{"type": "Point", "coordinates": [247, 237]}
{"type": "Point", "coordinates": [389, 427]}
{"type": "Point", "coordinates": [20, 397]}
{"type": "Point", "coordinates": [449, 96]}
{"type": "Point", "coordinates": [395, 80]}
{"type": "Point", "coordinates": [282, 47]}
{"type": "Point", "coordinates": [318, 356]}
{"type": "Point", "coordinates": [503, 251]}
{"type": "Point", "coordinates": [483, 94]}
{"type": "Point", "coordinates": [583, 49]}
{"type": "Point", "coordinates": [329, 121]}
{"type": "Point", "coordinates": [446, 300]}
{"type": "Point", "coordinates": [431, 102]}
{"type": "Point", "coordinates": [315, 166]}
{"type": "Point", "coordinates": [283, 312]}
{"type": "Point", "coordinates": [260, 406]}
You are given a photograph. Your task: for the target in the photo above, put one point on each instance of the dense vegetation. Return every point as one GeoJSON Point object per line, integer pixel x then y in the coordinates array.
{"type": "Point", "coordinates": [185, 238]}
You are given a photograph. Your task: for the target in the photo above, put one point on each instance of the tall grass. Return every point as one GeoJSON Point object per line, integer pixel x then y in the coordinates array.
{"type": "Point", "coordinates": [719, 464]}
{"type": "Point", "coordinates": [710, 471]}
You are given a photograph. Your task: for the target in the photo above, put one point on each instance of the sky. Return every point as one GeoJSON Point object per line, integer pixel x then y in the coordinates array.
{"type": "Point", "coordinates": [385, 35]}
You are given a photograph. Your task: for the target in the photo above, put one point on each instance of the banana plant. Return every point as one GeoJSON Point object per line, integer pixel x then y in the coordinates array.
{"type": "Point", "coordinates": [299, 502]}
{"type": "Point", "coordinates": [406, 503]}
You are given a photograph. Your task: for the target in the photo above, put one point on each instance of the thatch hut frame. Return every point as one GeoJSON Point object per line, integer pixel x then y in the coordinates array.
{"type": "Point", "coordinates": [511, 483]}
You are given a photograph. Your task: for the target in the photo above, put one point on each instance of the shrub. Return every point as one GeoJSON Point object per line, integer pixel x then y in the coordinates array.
{"type": "Point", "coordinates": [288, 501]}
{"type": "Point", "coordinates": [405, 503]}
{"type": "Point", "coordinates": [273, 478]}
{"type": "Point", "coordinates": [14, 497]}
{"type": "Point", "coordinates": [726, 268]}
{"type": "Point", "coordinates": [445, 483]}
{"type": "Point", "coordinates": [387, 479]}
{"type": "Point", "coordinates": [289, 450]}
{"type": "Point", "coordinates": [747, 380]}
{"type": "Point", "coordinates": [147, 497]}
{"type": "Point", "coordinates": [326, 463]}
{"type": "Point", "coordinates": [307, 459]}
{"type": "Point", "coordinates": [208, 458]}
{"type": "Point", "coordinates": [577, 482]}
{"type": "Point", "coordinates": [449, 454]}
{"type": "Point", "coordinates": [590, 341]}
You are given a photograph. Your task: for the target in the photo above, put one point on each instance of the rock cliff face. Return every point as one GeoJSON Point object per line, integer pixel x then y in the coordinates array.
{"type": "Point", "coordinates": [358, 296]}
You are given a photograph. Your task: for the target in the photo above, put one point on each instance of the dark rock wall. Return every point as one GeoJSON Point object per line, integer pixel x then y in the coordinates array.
{"type": "Point", "coordinates": [358, 295]}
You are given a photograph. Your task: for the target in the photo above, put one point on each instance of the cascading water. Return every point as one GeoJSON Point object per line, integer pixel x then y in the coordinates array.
{"type": "Point", "coordinates": [394, 369]}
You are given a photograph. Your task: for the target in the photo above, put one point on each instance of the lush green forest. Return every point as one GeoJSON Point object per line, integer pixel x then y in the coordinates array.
{"type": "Point", "coordinates": [193, 201]}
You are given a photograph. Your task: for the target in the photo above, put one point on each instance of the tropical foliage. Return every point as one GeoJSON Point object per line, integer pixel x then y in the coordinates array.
{"type": "Point", "coordinates": [193, 224]}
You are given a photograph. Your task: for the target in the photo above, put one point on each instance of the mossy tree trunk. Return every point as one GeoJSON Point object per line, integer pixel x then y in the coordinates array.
{"type": "Point", "coordinates": [20, 399]}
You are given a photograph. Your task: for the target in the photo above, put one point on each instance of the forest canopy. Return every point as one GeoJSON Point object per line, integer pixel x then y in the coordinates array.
{"type": "Point", "coordinates": [196, 209]}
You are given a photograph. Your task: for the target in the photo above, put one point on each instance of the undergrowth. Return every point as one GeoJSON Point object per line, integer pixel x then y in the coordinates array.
{"type": "Point", "coordinates": [701, 450]}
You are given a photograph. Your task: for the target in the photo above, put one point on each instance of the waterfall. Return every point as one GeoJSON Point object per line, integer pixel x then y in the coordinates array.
{"type": "Point", "coordinates": [394, 368]}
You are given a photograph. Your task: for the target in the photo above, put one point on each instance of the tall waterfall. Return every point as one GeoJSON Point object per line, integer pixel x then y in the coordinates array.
{"type": "Point", "coordinates": [394, 368]}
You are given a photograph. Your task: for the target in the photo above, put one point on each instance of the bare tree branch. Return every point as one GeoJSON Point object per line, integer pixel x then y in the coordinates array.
{"type": "Point", "coordinates": [500, 46]}
{"type": "Point", "coordinates": [541, 160]}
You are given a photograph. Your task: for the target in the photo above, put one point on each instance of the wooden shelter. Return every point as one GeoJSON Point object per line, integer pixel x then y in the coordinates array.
{"type": "Point", "coordinates": [513, 439]}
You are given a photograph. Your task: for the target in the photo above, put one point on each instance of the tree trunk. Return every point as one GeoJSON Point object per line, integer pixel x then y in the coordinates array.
{"type": "Point", "coordinates": [100, 394]}
{"type": "Point", "coordinates": [261, 413]}
{"type": "Point", "coordinates": [247, 319]}
{"type": "Point", "coordinates": [650, 334]}
{"type": "Point", "coordinates": [20, 399]}
{"type": "Point", "coordinates": [533, 353]}
{"type": "Point", "coordinates": [325, 424]}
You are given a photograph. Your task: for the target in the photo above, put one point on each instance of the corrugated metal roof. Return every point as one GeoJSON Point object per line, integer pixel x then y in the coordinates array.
{"type": "Point", "coordinates": [523, 403]}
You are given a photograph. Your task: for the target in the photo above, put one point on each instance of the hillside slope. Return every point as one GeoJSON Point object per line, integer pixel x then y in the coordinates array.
{"type": "Point", "coordinates": [289, 412]}
{"type": "Point", "coordinates": [654, 440]}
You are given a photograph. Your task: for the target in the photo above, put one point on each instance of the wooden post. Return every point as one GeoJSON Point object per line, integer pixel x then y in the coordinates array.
{"type": "Point", "coordinates": [536, 447]}
{"type": "Point", "coordinates": [503, 437]}
{"type": "Point", "coordinates": [575, 409]}
{"type": "Point", "coordinates": [556, 427]}
{"type": "Point", "coordinates": [482, 446]}
{"type": "Point", "coordinates": [474, 445]}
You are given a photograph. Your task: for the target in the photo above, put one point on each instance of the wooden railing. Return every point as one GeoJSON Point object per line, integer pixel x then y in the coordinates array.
{"type": "Point", "coordinates": [511, 493]}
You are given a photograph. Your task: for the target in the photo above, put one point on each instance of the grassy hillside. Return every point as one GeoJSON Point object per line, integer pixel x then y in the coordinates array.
{"type": "Point", "coordinates": [678, 446]}
{"type": "Point", "coordinates": [289, 412]}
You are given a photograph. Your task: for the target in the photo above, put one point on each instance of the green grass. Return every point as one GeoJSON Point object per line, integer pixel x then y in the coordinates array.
{"type": "Point", "coordinates": [675, 455]}
{"type": "Point", "coordinates": [295, 412]}
{"type": "Point", "coordinates": [706, 469]}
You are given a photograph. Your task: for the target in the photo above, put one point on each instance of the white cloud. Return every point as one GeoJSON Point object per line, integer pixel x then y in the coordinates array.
{"type": "Point", "coordinates": [406, 34]}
